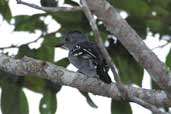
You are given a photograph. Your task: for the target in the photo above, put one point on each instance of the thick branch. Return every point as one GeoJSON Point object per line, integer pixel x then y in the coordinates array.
{"type": "Point", "coordinates": [132, 41]}
{"type": "Point", "coordinates": [31, 67]}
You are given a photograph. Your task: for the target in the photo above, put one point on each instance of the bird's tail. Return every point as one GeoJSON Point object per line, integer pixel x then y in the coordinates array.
{"type": "Point", "coordinates": [103, 74]}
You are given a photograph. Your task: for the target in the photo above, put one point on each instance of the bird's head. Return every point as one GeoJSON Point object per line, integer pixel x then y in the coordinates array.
{"type": "Point", "coordinates": [72, 38]}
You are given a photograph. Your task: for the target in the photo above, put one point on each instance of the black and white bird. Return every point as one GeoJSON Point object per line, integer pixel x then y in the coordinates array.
{"type": "Point", "coordinates": [86, 56]}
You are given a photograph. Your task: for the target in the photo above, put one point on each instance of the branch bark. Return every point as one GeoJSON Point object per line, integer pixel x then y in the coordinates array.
{"type": "Point", "coordinates": [32, 67]}
{"type": "Point", "coordinates": [132, 41]}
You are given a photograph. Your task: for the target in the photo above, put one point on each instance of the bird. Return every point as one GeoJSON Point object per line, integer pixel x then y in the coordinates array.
{"type": "Point", "coordinates": [86, 56]}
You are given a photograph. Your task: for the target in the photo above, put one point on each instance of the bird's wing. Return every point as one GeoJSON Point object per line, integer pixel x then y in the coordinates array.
{"type": "Point", "coordinates": [85, 50]}
{"type": "Point", "coordinates": [89, 50]}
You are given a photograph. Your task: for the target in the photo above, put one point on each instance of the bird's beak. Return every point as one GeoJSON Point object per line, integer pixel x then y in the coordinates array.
{"type": "Point", "coordinates": [61, 46]}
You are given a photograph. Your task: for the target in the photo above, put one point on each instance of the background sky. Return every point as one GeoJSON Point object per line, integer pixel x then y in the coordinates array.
{"type": "Point", "coordinates": [69, 99]}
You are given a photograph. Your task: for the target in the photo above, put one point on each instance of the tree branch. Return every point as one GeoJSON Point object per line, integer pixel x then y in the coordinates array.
{"type": "Point", "coordinates": [147, 105]}
{"type": "Point", "coordinates": [99, 40]}
{"type": "Point", "coordinates": [31, 67]}
{"type": "Point", "coordinates": [132, 42]}
{"type": "Point", "coordinates": [50, 9]}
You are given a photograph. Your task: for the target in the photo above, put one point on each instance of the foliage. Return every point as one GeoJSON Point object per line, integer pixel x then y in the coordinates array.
{"type": "Point", "coordinates": [48, 103]}
{"type": "Point", "coordinates": [129, 70]}
{"type": "Point", "coordinates": [143, 16]}
{"type": "Point", "coordinates": [13, 98]}
{"type": "Point", "coordinates": [5, 10]}
{"type": "Point", "coordinates": [22, 22]}
{"type": "Point", "coordinates": [120, 107]}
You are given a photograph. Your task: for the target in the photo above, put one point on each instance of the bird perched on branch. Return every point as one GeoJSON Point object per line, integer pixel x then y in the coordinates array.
{"type": "Point", "coordinates": [86, 56]}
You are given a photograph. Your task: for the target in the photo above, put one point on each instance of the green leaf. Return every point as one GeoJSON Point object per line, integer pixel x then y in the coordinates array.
{"type": "Point", "coordinates": [23, 103]}
{"type": "Point", "coordinates": [160, 3]}
{"type": "Point", "coordinates": [129, 70]}
{"type": "Point", "coordinates": [72, 21]}
{"type": "Point", "coordinates": [5, 10]}
{"type": "Point", "coordinates": [120, 107]}
{"type": "Point", "coordinates": [89, 100]}
{"type": "Point", "coordinates": [29, 23]}
{"type": "Point", "coordinates": [11, 79]}
{"type": "Point", "coordinates": [64, 62]}
{"type": "Point", "coordinates": [40, 85]}
{"type": "Point", "coordinates": [13, 99]}
{"type": "Point", "coordinates": [160, 11]}
{"type": "Point", "coordinates": [141, 27]}
{"type": "Point", "coordinates": [134, 7]}
{"type": "Point", "coordinates": [35, 84]}
{"type": "Point", "coordinates": [168, 59]}
{"type": "Point", "coordinates": [48, 103]}
{"type": "Point", "coordinates": [45, 52]}
{"type": "Point", "coordinates": [1, 77]}
{"type": "Point", "coordinates": [154, 25]}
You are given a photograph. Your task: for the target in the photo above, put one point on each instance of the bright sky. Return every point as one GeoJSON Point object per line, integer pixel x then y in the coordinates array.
{"type": "Point", "coordinates": [69, 99]}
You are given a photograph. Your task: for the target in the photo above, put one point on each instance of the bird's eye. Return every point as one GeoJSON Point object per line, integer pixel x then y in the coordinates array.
{"type": "Point", "coordinates": [66, 39]}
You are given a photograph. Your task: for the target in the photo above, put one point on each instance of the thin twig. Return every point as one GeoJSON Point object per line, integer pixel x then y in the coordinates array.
{"type": "Point", "coordinates": [161, 46]}
{"type": "Point", "coordinates": [33, 41]}
{"type": "Point", "coordinates": [99, 40]}
{"type": "Point", "coordinates": [50, 9]}
{"type": "Point", "coordinates": [9, 47]}
{"type": "Point", "coordinates": [17, 46]}
{"type": "Point", "coordinates": [147, 105]}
